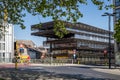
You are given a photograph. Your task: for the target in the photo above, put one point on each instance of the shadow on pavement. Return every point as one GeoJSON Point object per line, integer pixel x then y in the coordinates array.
{"type": "Point", "coordinates": [12, 74]}
{"type": "Point", "coordinates": [39, 74]}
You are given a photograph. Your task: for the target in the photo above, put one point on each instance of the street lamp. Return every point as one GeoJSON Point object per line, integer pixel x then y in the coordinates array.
{"type": "Point", "coordinates": [109, 28]}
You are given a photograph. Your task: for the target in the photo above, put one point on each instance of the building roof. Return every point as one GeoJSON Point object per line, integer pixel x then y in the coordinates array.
{"type": "Point", "coordinates": [26, 42]}
{"type": "Point", "coordinates": [39, 49]}
{"type": "Point", "coordinates": [46, 29]}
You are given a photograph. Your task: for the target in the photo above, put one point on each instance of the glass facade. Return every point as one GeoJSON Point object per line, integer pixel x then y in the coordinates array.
{"type": "Point", "coordinates": [117, 45]}
{"type": "Point", "coordinates": [91, 45]}
{"type": "Point", "coordinates": [84, 40]}
{"type": "Point", "coordinates": [117, 16]}
{"type": "Point", "coordinates": [117, 3]}
{"type": "Point", "coordinates": [72, 44]}
{"type": "Point", "coordinates": [2, 46]}
{"type": "Point", "coordinates": [81, 37]}
{"type": "Point", "coordinates": [2, 38]}
{"type": "Point", "coordinates": [91, 36]}
{"type": "Point", "coordinates": [6, 43]}
{"type": "Point", "coordinates": [87, 32]}
{"type": "Point", "coordinates": [117, 9]}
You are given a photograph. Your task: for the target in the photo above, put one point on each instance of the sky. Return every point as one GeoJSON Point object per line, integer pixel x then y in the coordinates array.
{"type": "Point", "coordinates": [91, 16]}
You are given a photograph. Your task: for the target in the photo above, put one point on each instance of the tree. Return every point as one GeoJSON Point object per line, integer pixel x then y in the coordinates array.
{"type": "Point", "coordinates": [12, 11]}
{"type": "Point", "coordinates": [117, 31]}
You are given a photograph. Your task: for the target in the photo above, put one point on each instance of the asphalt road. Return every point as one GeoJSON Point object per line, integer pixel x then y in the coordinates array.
{"type": "Point", "coordinates": [75, 72]}
{"type": "Point", "coordinates": [59, 73]}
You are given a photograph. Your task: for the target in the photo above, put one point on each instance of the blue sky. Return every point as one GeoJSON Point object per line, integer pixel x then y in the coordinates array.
{"type": "Point", "coordinates": [91, 16]}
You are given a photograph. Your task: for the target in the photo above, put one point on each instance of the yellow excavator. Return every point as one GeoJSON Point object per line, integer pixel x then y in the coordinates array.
{"type": "Point", "coordinates": [21, 53]}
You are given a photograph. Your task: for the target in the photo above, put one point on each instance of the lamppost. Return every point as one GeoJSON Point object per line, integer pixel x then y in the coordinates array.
{"type": "Point", "coordinates": [109, 28]}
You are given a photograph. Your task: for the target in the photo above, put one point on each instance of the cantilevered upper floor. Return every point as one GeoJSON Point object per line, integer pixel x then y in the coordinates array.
{"type": "Point", "coordinates": [76, 30]}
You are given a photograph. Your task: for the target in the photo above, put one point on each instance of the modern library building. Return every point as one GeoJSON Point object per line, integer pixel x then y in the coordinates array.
{"type": "Point", "coordinates": [82, 40]}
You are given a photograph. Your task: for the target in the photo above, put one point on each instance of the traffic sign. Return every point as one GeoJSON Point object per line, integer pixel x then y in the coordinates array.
{"type": "Point", "coordinates": [21, 45]}
{"type": "Point", "coordinates": [74, 51]}
{"type": "Point", "coordinates": [105, 51]}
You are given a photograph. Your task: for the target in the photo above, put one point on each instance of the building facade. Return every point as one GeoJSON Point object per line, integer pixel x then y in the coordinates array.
{"type": "Point", "coordinates": [30, 49]}
{"type": "Point", "coordinates": [6, 42]}
{"type": "Point", "coordinates": [116, 18]}
{"type": "Point", "coordinates": [82, 40]}
{"type": "Point", "coordinates": [29, 43]}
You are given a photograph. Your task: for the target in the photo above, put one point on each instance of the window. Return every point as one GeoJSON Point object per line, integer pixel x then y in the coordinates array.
{"type": "Point", "coordinates": [3, 54]}
{"type": "Point", "coordinates": [117, 16]}
{"type": "Point", "coordinates": [2, 37]}
{"type": "Point", "coordinates": [21, 50]}
{"type": "Point", "coordinates": [2, 46]}
{"type": "Point", "coordinates": [117, 3]}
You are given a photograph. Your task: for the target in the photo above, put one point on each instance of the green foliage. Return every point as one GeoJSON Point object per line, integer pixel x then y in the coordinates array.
{"type": "Point", "coordinates": [15, 10]}
{"type": "Point", "coordinates": [117, 31]}
{"type": "Point", "coordinates": [99, 3]}
{"type": "Point", "coordinates": [59, 28]}
{"type": "Point", "coordinates": [61, 8]}
{"type": "Point", "coordinates": [67, 10]}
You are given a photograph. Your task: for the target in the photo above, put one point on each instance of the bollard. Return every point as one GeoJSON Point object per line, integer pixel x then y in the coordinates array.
{"type": "Point", "coordinates": [16, 63]}
{"type": "Point", "coordinates": [106, 64]}
{"type": "Point", "coordinates": [78, 62]}
{"type": "Point", "coordinates": [72, 61]}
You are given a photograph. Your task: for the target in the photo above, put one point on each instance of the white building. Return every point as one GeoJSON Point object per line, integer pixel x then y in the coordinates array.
{"type": "Point", "coordinates": [6, 42]}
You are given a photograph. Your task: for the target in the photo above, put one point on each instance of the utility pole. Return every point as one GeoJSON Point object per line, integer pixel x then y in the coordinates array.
{"type": "Point", "coordinates": [109, 34]}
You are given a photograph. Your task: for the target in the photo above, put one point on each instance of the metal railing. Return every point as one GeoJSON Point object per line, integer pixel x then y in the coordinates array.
{"type": "Point", "coordinates": [94, 61]}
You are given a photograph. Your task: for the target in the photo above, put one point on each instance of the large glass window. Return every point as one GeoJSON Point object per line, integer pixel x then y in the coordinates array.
{"type": "Point", "coordinates": [92, 37]}
{"type": "Point", "coordinates": [2, 37]}
{"type": "Point", "coordinates": [117, 3]}
{"type": "Point", "coordinates": [117, 16]}
{"type": "Point", "coordinates": [2, 46]}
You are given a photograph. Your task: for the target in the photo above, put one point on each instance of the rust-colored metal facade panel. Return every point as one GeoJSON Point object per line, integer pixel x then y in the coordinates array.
{"type": "Point", "coordinates": [81, 37]}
